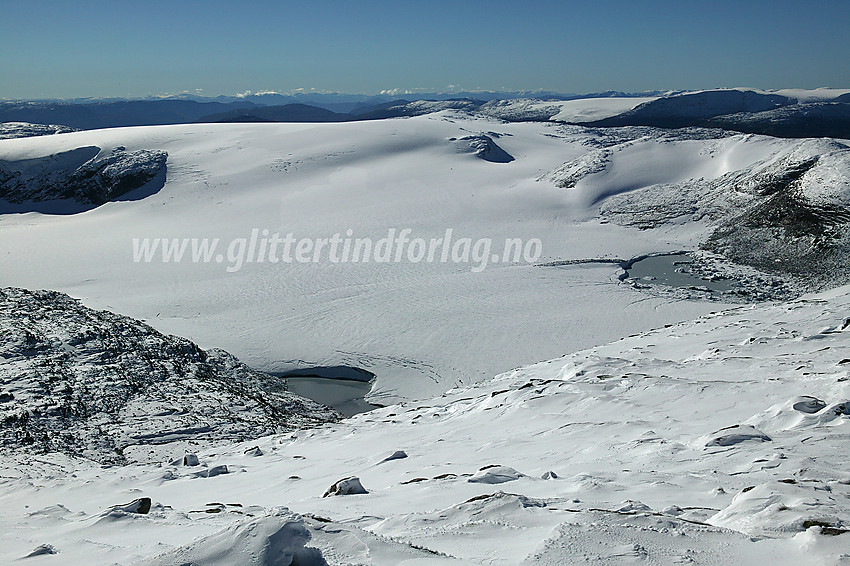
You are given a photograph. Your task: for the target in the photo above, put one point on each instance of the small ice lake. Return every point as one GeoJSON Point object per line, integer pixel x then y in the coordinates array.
{"type": "Point", "coordinates": [672, 270]}
{"type": "Point", "coordinates": [340, 387]}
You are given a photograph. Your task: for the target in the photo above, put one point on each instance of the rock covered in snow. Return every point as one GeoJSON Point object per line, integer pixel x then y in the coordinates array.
{"type": "Point", "coordinates": [495, 475]}
{"type": "Point", "coordinates": [141, 506]}
{"type": "Point", "coordinates": [397, 455]}
{"type": "Point", "coordinates": [485, 148]}
{"type": "Point", "coordinates": [42, 550]}
{"type": "Point", "coordinates": [736, 434]}
{"type": "Point", "coordinates": [631, 506]}
{"type": "Point", "coordinates": [782, 508]}
{"type": "Point", "coordinates": [346, 486]}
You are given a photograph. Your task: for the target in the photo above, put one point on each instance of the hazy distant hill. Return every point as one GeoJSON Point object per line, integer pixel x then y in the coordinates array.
{"type": "Point", "coordinates": [89, 116]}
{"type": "Point", "coordinates": [285, 113]}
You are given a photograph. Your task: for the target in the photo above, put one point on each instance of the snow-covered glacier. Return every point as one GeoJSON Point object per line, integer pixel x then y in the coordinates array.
{"type": "Point", "coordinates": [690, 298]}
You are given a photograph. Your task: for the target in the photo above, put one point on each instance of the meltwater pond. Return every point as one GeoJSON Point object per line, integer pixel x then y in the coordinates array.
{"type": "Point", "coordinates": [673, 270]}
{"type": "Point", "coordinates": [340, 387]}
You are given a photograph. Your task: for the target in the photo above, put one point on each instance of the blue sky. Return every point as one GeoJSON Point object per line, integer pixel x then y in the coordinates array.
{"type": "Point", "coordinates": [74, 49]}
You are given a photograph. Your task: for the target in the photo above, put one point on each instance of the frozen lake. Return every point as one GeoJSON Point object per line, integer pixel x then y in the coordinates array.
{"type": "Point", "coordinates": [672, 270]}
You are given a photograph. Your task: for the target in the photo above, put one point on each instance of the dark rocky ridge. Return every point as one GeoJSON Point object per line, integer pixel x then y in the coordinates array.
{"type": "Point", "coordinates": [814, 119]}
{"type": "Point", "coordinates": [692, 109]}
{"type": "Point", "coordinates": [81, 175]}
{"type": "Point", "coordinates": [91, 383]}
{"type": "Point", "coordinates": [11, 130]}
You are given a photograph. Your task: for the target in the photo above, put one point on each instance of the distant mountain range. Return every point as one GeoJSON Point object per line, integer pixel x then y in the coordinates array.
{"type": "Point", "coordinates": [88, 114]}
{"type": "Point", "coordinates": [819, 113]}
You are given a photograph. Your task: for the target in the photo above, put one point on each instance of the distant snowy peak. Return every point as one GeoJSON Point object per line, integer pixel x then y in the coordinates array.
{"type": "Point", "coordinates": [521, 109]}
{"type": "Point", "coordinates": [94, 383]}
{"type": "Point", "coordinates": [576, 111]}
{"type": "Point", "coordinates": [785, 113]}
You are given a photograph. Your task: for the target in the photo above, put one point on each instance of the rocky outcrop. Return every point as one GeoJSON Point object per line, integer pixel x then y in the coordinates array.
{"type": "Point", "coordinates": [483, 147]}
{"type": "Point", "coordinates": [91, 383]}
{"type": "Point", "coordinates": [85, 175]}
{"type": "Point", "coordinates": [799, 220]}
{"type": "Point", "coordinates": [10, 130]}
{"type": "Point", "coordinates": [346, 486]}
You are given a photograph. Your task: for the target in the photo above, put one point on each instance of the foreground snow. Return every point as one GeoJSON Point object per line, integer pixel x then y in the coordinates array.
{"type": "Point", "coordinates": [715, 441]}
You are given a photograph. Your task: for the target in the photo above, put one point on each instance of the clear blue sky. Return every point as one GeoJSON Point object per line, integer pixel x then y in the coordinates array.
{"type": "Point", "coordinates": [117, 48]}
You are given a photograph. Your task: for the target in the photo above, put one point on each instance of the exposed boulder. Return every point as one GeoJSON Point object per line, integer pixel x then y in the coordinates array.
{"type": "Point", "coordinates": [346, 486]}
{"type": "Point", "coordinates": [736, 434]}
{"type": "Point", "coordinates": [141, 506]}
{"type": "Point", "coordinates": [397, 455]}
{"type": "Point", "coordinates": [191, 460]}
{"type": "Point", "coordinates": [495, 475]}
{"type": "Point", "coordinates": [216, 471]}
{"type": "Point", "coordinates": [808, 405]}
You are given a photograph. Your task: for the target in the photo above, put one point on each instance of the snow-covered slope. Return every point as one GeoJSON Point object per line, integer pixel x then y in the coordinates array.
{"type": "Point", "coordinates": [715, 441]}
{"type": "Point", "coordinates": [812, 95]}
{"type": "Point", "coordinates": [420, 327]}
{"type": "Point", "coordinates": [417, 326]}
